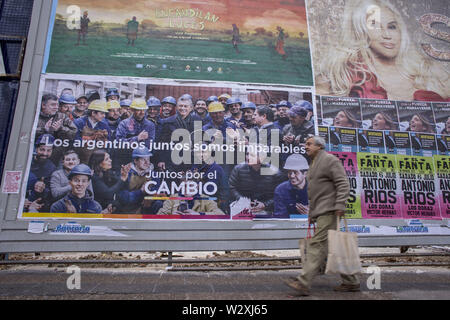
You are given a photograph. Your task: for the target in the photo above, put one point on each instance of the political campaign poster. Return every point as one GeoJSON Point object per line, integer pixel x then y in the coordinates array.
{"type": "Point", "coordinates": [240, 41]}
{"type": "Point", "coordinates": [418, 186]}
{"type": "Point", "coordinates": [343, 116]}
{"type": "Point", "coordinates": [381, 49]}
{"type": "Point", "coordinates": [324, 133]}
{"type": "Point", "coordinates": [418, 119]}
{"type": "Point", "coordinates": [379, 117]}
{"type": "Point", "coordinates": [108, 147]}
{"type": "Point", "coordinates": [397, 142]}
{"type": "Point", "coordinates": [380, 189]}
{"type": "Point", "coordinates": [442, 166]}
{"type": "Point", "coordinates": [350, 163]}
{"type": "Point", "coordinates": [442, 117]}
{"type": "Point", "coordinates": [371, 141]}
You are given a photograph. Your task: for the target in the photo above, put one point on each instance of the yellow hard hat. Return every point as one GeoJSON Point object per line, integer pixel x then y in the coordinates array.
{"type": "Point", "coordinates": [98, 105]}
{"type": "Point", "coordinates": [225, 95]}
{"type": "Point", "coordinates": [215, 107]}
{"type": "Point", "coordinates": [113, 104]}
{"type": "Point", "coordinates": [139, 104]}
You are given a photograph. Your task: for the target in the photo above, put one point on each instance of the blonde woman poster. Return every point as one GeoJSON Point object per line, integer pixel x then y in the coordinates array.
{"type": "Point", "coordinates": [373, 49]}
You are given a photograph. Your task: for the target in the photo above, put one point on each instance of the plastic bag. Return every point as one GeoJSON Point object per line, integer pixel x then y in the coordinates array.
{"type": "Point", "coordinates": [343, 253]}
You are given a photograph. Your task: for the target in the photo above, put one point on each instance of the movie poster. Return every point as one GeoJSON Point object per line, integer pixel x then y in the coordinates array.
{"type": "Point", "coordinates": [442, 166]}
{"type": "Point", "coordinates": [379, 186]}
{"type": "Point", "coordinates": [108, 147]}
{"type": "Point", "coordinates": [418, 186]}
{"type": "Point", "coordinates": [240, 41]}
{"type": "Point", "coordinates": [350, 163]}
{"type": "Point", "coordinates": [353, 56]}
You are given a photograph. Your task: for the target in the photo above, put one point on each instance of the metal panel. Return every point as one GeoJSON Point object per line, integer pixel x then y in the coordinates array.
{"type": "Point", "coordinates": [157, 235]}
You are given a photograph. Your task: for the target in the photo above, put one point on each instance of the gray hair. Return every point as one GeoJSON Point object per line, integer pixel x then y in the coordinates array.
{"type": "Point", "coordinates": [318, 141]}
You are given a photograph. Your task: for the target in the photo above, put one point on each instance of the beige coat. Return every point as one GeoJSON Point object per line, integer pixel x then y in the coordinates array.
{"type": "Point", "coordinates": [328, 186]}
{"type": "Point", "coordinates": [206, 206]}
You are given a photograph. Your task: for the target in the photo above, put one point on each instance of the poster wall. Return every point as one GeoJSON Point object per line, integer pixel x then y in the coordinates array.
{"type": "Point", "coordinates": [189, 110]}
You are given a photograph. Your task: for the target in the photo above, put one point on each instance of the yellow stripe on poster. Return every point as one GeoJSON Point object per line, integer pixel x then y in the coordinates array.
{"type": "Point", "coordinates": [60, 215]}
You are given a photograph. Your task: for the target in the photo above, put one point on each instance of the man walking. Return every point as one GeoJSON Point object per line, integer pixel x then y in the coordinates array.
{"type": "Point", "coordinates": [328, 190]}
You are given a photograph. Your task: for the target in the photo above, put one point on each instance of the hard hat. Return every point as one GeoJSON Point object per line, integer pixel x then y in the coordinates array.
{"type": "Point", "coordinates": [284, 103]}
{"type": "Point", "coordinates": [125, 103]}
{"type": "Point", "coordinates": [92, 95]}
{"type": "Point", "coordinates": [170, 100]}
{"type": "Point", "coordinates": [248, 105]}
{"type": "Point", "coordinates": [47, 139]}
{"type": "Point", "coordinates": [215, 106]}
{"type": "Point", "coordinates": [112, 92]}
{"type": "Point", "coordinates": [67, 98]}
{"type": "Point", "coordinates": [139, 104]}
{"type": "Point", "coordinates": [153, 102]}
{"type": "Point", "coordinates": [297, 111]}
{"type": "Point", "coordinates": [98, 105]}
{"type": "Point", "coordinates": [82, 96]}
{"type": "Point", "coordinates": [141, 152]}
{"type": "Point", "coordinates": [80, 169]}
{"type": "Point", "coordinates": [211, 99]}
{"type": "Point", "coordinates": [304, 104]}
{"type": "Point", "coordinates": [113, 104]}
{"type": "Point", "coordinates": [296, 162]}
{"type": "Point", "coordinates": [186, 96]}
{"type": "Point", "coordinates": [225, 95]}
{"type": "Point", "coordinates": [234, 100]}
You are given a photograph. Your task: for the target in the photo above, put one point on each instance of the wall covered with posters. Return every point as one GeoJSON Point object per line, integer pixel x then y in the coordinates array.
{"type": "Point", "coordinates": [157, 110]}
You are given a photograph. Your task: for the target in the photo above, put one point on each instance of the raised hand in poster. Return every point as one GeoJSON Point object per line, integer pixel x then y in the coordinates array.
{"type": "Point", "coordinates": [124, 170]}
{"type": "Point", "coordinates": [143, 136]}
{"type": "Point", "coordinates": [70, 207]}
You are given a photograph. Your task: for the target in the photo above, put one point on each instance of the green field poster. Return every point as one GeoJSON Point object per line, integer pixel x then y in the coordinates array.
{"type": "Point", "coordinates": [239, 41]}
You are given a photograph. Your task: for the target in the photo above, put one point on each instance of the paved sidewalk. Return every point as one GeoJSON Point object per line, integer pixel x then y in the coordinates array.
{"type": "Point", "coordinates": [139, 283]}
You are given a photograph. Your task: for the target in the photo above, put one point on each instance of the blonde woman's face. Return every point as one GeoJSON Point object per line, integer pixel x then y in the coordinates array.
{"type": "Point", "coordinates": [341, 120]}
{"type": "Point", "coordinates": [379, 123]}
{"type": "Point", "coordinates": [416, 124]}
{"type": "Point", "coordinates": [384, 33]}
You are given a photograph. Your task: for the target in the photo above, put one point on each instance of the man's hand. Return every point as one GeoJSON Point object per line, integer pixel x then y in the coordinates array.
{"type": "Point", "coordinates": [289, 138]}
{"type": "Point", "coordinates": [301, 208]}
{"type": "Point", "coordinates": [39, 186]}
{"type": "Point", "coordinates": [143, 136]}
{"type": "Point", "coordinates": [189, 212]}
{"type": "Point", "coordinates": [162, 166]}
{"type": "Point", "coordinates": [57, 125]}
{"type": "Point", "coordinates": [340, 213]}
{"type": "Point", "coordinates": [257, 206]}
{"type": "Point", "coordinates": [48, 125]}
{"type": "Point", "coordinates": [35, 206]}
{"type": "Point", "coordinates": [108, 209]}
{"type": "Point", "coordinates": [70, 207]}
{"type": "Point", "coordinates": [124, 170]}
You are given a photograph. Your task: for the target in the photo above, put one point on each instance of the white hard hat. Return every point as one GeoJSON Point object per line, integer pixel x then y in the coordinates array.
{"type": "Point", "coordinates": [296, 162]}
